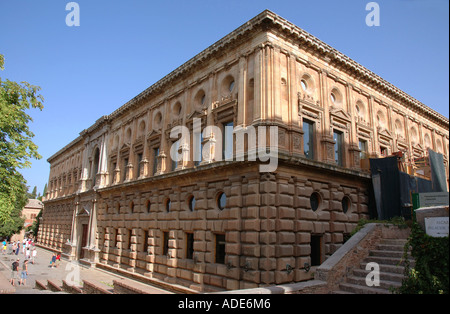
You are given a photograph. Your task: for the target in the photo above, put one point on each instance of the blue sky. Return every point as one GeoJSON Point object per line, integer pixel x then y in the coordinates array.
{"type": "Point", "coordinates": [123, 47]}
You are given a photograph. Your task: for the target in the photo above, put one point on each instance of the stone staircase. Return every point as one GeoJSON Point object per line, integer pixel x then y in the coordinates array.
{"type": "Point", "coordinates": [388, 254]}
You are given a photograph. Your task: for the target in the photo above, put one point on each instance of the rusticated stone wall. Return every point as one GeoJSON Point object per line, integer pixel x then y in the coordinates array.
{"type": "Point", "coordinates": [56, 224]}
{"type": "Point", "coordinates": [267, 223]}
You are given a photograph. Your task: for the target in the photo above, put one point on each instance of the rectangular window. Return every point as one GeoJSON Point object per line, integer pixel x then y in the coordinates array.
{"type": "Point", "coordinates": [220, 249]}
{"type": "Point", "coordinates": [145, 242]}
{"type": "Point", "coordinates": [189, 245]}
{"type": "Point", "coordinates": [155, 159]}
{"type": "Point", "coordinates": [227, 141]}
{"type": "Point", "coordinates": [363, 149]}
{"type": "Point", "coordinates": [114, 166]}
{"type": "Point", "coordinates": [338, 143]}
{"type": "Point", "coordinates": [316, 250]}
{"type": "Point", "coordinates": [138, 166]}
{"type": "Point", "coordinates": [129, 235]}
{"type": "Point", "coordinates": [165, 243]}
{"type": "Point", "coordinates": [176, 146]}
{"type": "Point", "coordinates": [115, 237]}
{"type": "Point", "coordinates": [198, 151]}
{"type": "Point", "coordinates": [124, 172]}
{"type": "Point", "coordinates": [383, 151]}
{"type": "Point", "coordinates": [308, 139]}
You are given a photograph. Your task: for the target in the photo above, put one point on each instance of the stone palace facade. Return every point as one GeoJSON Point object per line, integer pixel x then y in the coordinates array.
{"type": "Point", "coordinates": [216, 220]}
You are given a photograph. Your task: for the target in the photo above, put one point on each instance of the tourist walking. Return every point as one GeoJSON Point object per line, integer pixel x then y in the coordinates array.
{"type": "Point", "coordinates": [58, 259]}
{"type": "Point", "coordinates": [17, 247]}
{"type": "Point", "coordinates": [4, 246]}
{"type": "Point", "coordinates": [53, 260]}
{"type": "Point", "coordinates": [24, 274]}
{"type": "Point", "coordinates": [14, 272]}
{"type": "Point", "coordinates": [28, 253]}
{"type": "Point", "coordinates": [33, 254]}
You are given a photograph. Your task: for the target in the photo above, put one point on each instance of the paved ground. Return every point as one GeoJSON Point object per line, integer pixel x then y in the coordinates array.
{"type": "Point", "coordinates": [41, 270]}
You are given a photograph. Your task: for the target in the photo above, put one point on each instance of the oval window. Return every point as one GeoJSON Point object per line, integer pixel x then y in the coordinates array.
{"type": "Point", "coordinates": [221, 201]}
{"type": "Point", "coordinates": [346, 203]}
{"type": "Point", "coordinates": [192, 203]}
{"type": "Point", "coordinates": [168, 203]}
{"type": "Point", "coordinates": [304, 85]}
{"type": "Point", "coordinates": [314, 201]}
{"type": "Point", "coordinates": [333, 97]}
{"type": "Point", "coordinates": [231, 86]}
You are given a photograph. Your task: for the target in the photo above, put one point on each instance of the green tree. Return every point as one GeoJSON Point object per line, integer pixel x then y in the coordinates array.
{"type": "Point", "coordinates": [43, 193]}
{"type": "Point", "coordinates": [16, 148]}
{"type": "Point", "coordinates": [34, 193]}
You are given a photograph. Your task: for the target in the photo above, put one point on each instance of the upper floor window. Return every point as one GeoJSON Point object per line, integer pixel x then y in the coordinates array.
{"type": "Point", "coordinates": [138, 166]}
{"type": "Point", "coordinates": [155, 159]}
{"type": "Point", "coordinates": [363, 149]}
{"type": "Point", "coordinates": [304, 85]}
{"type": "Point", "coordinates": [308, 139]}
{"type": "Point", "coordinates": [174, 153]}
{"type": "Point", "coordinates": [227, 141]}
{"type": "Point", "coordinates": [198, 149]}
{"type": "Point", "coordinates": [96, 164]}
{"type": "Point", "coordinates": [338, 147]}
{"type": "Point", "coordinates": [231, 86]}
{"type": "Point", "coordinates": [124, 172]}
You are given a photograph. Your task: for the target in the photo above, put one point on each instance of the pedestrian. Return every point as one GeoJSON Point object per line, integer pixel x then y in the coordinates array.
{"type": "Point", "coordinates": [18, 247]}
{"type": "Point", "coordinates": [14, 246]}
{"type": "Point", "coordinates": [27, 253]}
{"type": "Point", "coordinates": [14, 272]}
{"type": "Point", "coordinates": [24, 274]}
{"type": "Point", "coordinates": [33, 255]}
{"type": "Point", "coordinates": [58, 259]}
{"type": "Point", "coordinates": [53, 260]}
{"type": "Point", "coordinates": [4, 246]}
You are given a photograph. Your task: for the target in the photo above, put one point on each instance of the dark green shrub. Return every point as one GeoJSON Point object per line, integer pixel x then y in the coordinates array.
{"type": "Point", "coordinates": [430, 275]}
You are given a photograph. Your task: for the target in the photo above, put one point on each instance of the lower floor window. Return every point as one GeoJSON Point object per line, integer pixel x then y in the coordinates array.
{"type": "Point", "coordinates": [220, 249]}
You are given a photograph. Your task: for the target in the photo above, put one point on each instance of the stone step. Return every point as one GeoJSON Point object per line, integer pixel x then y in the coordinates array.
{"type": "Point", "coordinates": [348, 287]}
{"type": "Point", "coordinates": [41, 285]}
{"type": "Point", "coordinates": [391, 247]}
{"type": "Point", "coordinates": [393, 269]}
{"type": "Point", "coordinates": [341, 292]}
{"type": "Point", "coordinates": [384, 284]}
{"type": "Point", "coordinates": [384, 276]}
{"type": "Point", "coordinates": [72, 288]}
{"type": "Point", "coordinates": [396, 261]}
{"type": "Point", "coordinates": [384, 253]}
{"type": "Point", "coordinates": [54, 285]}
{"type": "Point", "coordinates": [394, 241]}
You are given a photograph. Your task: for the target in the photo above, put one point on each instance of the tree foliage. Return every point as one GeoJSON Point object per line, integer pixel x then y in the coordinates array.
{"type": "Point", "coordinates": [16, 147]}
